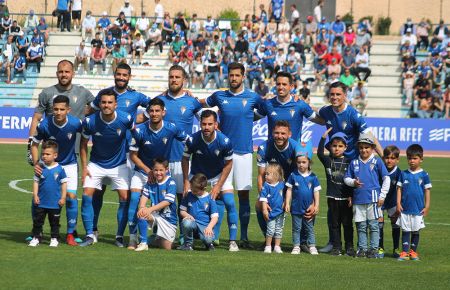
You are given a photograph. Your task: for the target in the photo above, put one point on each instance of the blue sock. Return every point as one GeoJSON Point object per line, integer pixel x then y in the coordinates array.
{"type": "Point", "coordinates": [232, 217]}
{"type": "Point", "coordinates": [406, 237]}
{"type": "Point", "coordinates": [143, 228]}
{"type": "Point", "coordinates": [414, 241]}
{"type": "Point", "coordinates": [221, 210]}
{"type": "Point", "coordinates": [97, 203]}
{"type": "Point", "coordinates": [244, 217]}
{"type": "Point", "coordinates": [132, 209]}
{"type": "Point", "coordinates": [122, 217]}
{"type": "Point", "coordinates": [71, 214]}
{"type": "Point", "coordinates": [262, 222]}
{"type": "Point", "coordinates": [87, 214]}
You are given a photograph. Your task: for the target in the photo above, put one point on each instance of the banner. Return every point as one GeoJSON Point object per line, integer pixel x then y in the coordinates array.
{"type": "Point", "coordinates": [430, 133]}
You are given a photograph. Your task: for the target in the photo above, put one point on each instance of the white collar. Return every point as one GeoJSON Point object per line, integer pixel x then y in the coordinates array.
{"type": "Point", "coordinates": [306, 174]}
{"type": "Point", "coordinates": [283, 103]}
{"type": "Point", "coordinates": [164, 181]}
{"type": "Point", "coordinates": [393, 170]}
{"type": "Point", "coordinates": [238, 93]}
{"type": "Point", "coordinates": [207, 143]}
{"type": "Point", "coordinates": [156, 131]}
{"type": "Point", "coordinates": [62, 126]}
{"type": "Point", "coordinates": [115, 117]}
{"type": "Point", "coordinates": [415, 172]}
{"type": "Point", "coordinates": [370, 158]}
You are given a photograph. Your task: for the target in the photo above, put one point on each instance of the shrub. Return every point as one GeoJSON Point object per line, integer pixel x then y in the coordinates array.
{"type": "Point", "coordinates": [370, 17]}
{"type": "Point", "coordinates": [232, 15]}
{"type": "Point", "coordinates": [383, 25]}
{"type": "Point", "coordinates": [348, 19]}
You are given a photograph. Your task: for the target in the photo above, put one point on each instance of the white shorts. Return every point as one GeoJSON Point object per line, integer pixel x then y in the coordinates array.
{"type": "Point", "coordinates": [177, 174]}
{"type": "Point", "coordinates": [365, 212]}
{"type": "Point", "coordinates": [242, 171]}
{"type": "Point", "coordinates": [410, 223]}
{"type": "Point", "coordinates": [138, 180]}
{"type": "Point", "coordinates": [165, 230]}
{"type": "Point", "coordinates": [117, 175]}
{"type": "Point", "coordinates": [391, 211]}
{"type": "Point", "coordinates": [228, 184]}
{"type": "Point", "coordinates": [72, 177]}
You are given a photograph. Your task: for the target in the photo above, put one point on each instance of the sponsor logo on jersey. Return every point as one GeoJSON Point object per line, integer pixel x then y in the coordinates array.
{"type": "Point", "coordinates": [182, 109]}
{"type": "Point", "coordinates": [69, 136]}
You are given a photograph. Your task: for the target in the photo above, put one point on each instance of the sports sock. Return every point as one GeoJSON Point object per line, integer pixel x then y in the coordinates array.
{"type": "Point", "coordinates": [330, 240]}
{"type": "Point", "coordinates": [414, 241]}
{"type": "Point", "coordinates": [143, 228]}
{"type": "Point", "coordinates": [406, 237]}
{"type": "Point", "coordinates": [132, 208]}
{"type": "Point", "coordinates": [262, 222]}
{"type": "Point", "coordinates": [221, 210]}
{"type": "Point", "coordinates": [244, 217]}
{"type": "Point", "coordinates": [122, 217]}
{"type": "Point", "coordinates": [396, 236]}
{"type": "Point", "coordinates": [232, 217]}
{"type": "Point", "coordinates": [97, 203]}
{"type": "Point", "coordinates": [71, 214]}
{"type": "Point", "coordinates": [381, 241]}
{"type": "Point", "coordinates": [87, 214]}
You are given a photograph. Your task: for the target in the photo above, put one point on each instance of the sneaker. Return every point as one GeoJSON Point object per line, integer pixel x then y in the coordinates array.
{"type": "Point", "coordinates": [350, 252]}
{"type": "Point", "coordinates": [34, 242]}
{"type": "Point", "coordinates": [245, 244]}
{"type": "Point", "coordinates": [87, 242]}
{"type": "Point", "coordinates": [28, 239]}
{"type": "Point", "coordinates": [141, 247]}
{"type": "Point", "coordinates": [396, 253]}
{"type": "Point", "coordinates": [96, 235]}
{"type": "Point", "coordinates": [119, 242]}
{"type": "Point", "coordinates": [326, 249]}
{"type": "Point", "coordinates": [296, 250]}
{"type": "Point", "coordinates": [372, 254]}
{"type": "Point", "coordinates": [268, 249]}
{"type": "Point", "coordinates": [304, 248]}
{"type": "Point", "coordinates": [336, 252]}
{"type": "Point", "coordinates": [210, 247]}
{"type": "Point", "coordinates": [313, 250]}
{"type": "Point", "coordinates": [413, 256]}
{"type": "Point", "coordinates": [54, 242]}
{"type": "Point", "coordinates": [380, 253]}
{"type": "Point", "coordinates": [70, 240]}
{"type": "Point", "coordinates": [186, 247]}
{"type": "Point", "coordinates": [216, 243]}
{"type": "Point", "coordinates": [361, 253]}
{"type": "Point", "coordinates": [132, 245]}
{"type": "Point", "coordinates": [277, 250]}
{"type": "Point", "coordinates": [233, 247]}
{"type": "Point", "coordinates": [78, 240]}
{"type": "Point", "coordinates": [404, 256]}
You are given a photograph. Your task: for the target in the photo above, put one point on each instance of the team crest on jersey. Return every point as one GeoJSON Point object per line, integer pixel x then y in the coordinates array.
{"type": "Point", "coordinates": [133, 141]}
{"type": "Point", "coordinates": [55, 175]}
{"type": "Point", "coordinates": [372, 166]}
{"type": "Point", "coordinates": [52, 138]}
{"type": "Point", "coordinates": [344, 125]}
{"type": "Point", "coordinates": [420, 181]}
{"type": "Point", "coordinates": [164, 140]}
{"type": "Point", "coordinates": [226, 140]}
{"type": "Point", "coordinates": [206, 205]}
{"type": "Point", "coordinates": [217, 152]}
{"type": "Point", "coordinates": [296, 184]}
{"type": "Point", "coordinates": [182, 109]}
{"type": "Point", "coordinates": [356, 168]}
{"type": "Point", "coordinates": [69, 136]}
{"type": "Point", "coordinates": [74, 98]}
{"type": "Point", "coordinates": [258, 157]}
{"type": "Point", "coordinates": [280, 192]}
{"type": "Point", "coordinates": [118, 131]}
{"type": "Point", "coordinates": [244, 102]}
{"type": "Point", "coordinates": [309, 185]}
{"type": "Point", "coordinates": [289, 161]}
{"type": "Point", "coordinates": [292, 111]}
{"type": "Point", "coordinates": [127, 103]}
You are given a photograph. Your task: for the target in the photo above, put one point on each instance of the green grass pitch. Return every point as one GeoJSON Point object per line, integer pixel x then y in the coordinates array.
{"type": "Point", "coordinates": [105, 266]}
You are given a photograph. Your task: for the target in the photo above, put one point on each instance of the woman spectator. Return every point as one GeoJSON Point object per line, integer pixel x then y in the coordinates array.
{"type": "Point", "coordinates": [408, 87]}
{"type": "Point", "coordinates": [167, 28]}
{"type": "Point", "coordinates": [5, 24]}
{"type": "Point", "coordinates": [349, 37]}
{"type": "Point", "coordinates": [271, 26]}
{"type": "Point", "coordinates": [284, 29]}
{"type": "Point", "coordinates": [324, 37]}
{"type": "Point", "coordinates": [423, 30]}
{"type": "Point", "coordinates": [247, 22]}
{"type": "Point", "coordinates": [334, 67]}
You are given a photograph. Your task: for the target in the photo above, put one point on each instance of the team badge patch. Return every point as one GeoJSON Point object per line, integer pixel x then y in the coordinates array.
{"type": "Point", "coordinates": [244, 102]}
{"type": "Point", "coordinates": [420, 181]}
{"type": "Point", "coordinates": [182, 109]}
{"type": "Point", "coordinates": [206, 205]}
{"type": "Point", "coordinates": [74, 98]}
{"type": "Point", "coordinates": [292, 112]}
{"type": "Point", "coordinates": [118, 131]}
{"type": "Point", "coordinates": [55, 175]}
{"type": "Point", "coordinates": [344, 125]}
{"type": "Point", "coordinates": [281, 192]}
{"type": "Point", "coordinates": [69, 136]}
{"type": "Point", "coordinates": [133, 141]}
{"type": "Point", "coordinates": [164, 140]}
{"type": "Point", "coordinates": [309, 185]}
{"type": "Point", "coordinates": [217, 152]}
{"type": "Point", "coordinates": [372, 166]}
{"type": "Point", "coordinates": [127, 103]}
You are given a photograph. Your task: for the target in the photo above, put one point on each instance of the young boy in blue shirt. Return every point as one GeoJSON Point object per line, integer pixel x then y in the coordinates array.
{"type": "Point", "coordinates": [413, 202]}
{"type": "Point", "coordinates": [49, 194]}
{"type": "Point", "coordinates": [365, 174]}
{"type": "Point", "coordinates": [199, 213]}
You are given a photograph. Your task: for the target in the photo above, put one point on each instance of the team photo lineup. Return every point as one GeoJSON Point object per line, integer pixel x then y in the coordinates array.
{"type": "Point", "coordinates": [175, 185]}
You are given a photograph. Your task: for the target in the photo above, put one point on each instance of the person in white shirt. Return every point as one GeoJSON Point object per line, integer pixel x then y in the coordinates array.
{"type": "Point", "coordinates": [138, 47]}
{"type": "Point", "coordinates": [88, 25]}
{"type": "Point", "coordinates": [154, 37]}
{"type": "Point", "coordinates": [81, 56]}
{"type": "Point", "coordinates": [318, 11]}
{"type": "Point", "coordinates": [295, 15]}
{"type": "Point", "coordinates": [76, 13]}
{"type": "Point", "coordinates": [128, 10]}
{"type": "Point", "coordinates": [194, 27]}
{"type": "Point", "coordinates": [409, 36]}
{"type": "Point", "coordinates": [159, 12]}
{"type": "Point", "coordinates": [142, 24]}
{"type": "Point", "coordinates": [362, 64]}
{"type": "Point", "coordinates": [31, 21]}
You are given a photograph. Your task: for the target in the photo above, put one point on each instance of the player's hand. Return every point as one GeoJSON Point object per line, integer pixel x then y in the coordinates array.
{"type": "Point", "coordinates": [208, 232]}
{"type": "Point", "coordinates": [287, 208]}
{"type": "Point", "coordinates": [62, 202]}
{"type": "Point", "coordinates": [85, 172]}
{"type": "Point", "coordinates": [399, 209]}
{"type": "Point", "coordinates": [350, 202]}
{"type": "Point", "coordinates": [324, 136]}
{"type": "Point", "coordinates": [309, 213]}
{"type": "Point", "coordinates": [186, 187]}
{"type": "Point", "coordinates": [29, 156]}
{"type": "Point", "coordinates": [380, 202]}
{"type": "Point", "coordinates": [36, 200]}
{"type": "Point", "coordinates": [215, 190]}
{"type": "Point", "coordinates": [424, 212]}
{"type": "Point", "coordinates": [266, 215]}
{"type": "Point", "coordinates": [358, 183]}
{"type": "Point", "coordinates": [37, 169]}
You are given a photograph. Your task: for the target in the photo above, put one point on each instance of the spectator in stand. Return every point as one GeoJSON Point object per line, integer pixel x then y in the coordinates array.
{"type": "Point", "coordinates": [425, 70]}
{"type": "Point", "coordinates": [364, 23]}
{"type": "Point", "coordinates": [200, 44]}
{"type": "Point", "coordinates": [97, 40]}
{"type": "Point", "coordinates": [434, 47]}
{"type": "Point", "coordinates": [310, 31]}
{"type": "Point", "coordinates": [334, 67]}
{"type": "Point", "coordinates": [276, 10]}
{"type": "Point", "coordinates": [110, 41]}
{"type": "Point", "coordinates": [182, 23]}
{"type": "Point", "coordinates": [216, 44]}
{"type": "Point", "coordinates": [35, 54]}
{"type": "Point", "coordinates": [436, 67]}
{"type": "Point", "coordinates": [9, 48]}
{"type": "Point", "coordinates": [348, 60]}
{"type": "Point", "coordinates": [88, 26]}
{"type": "Point", "coordinates": [104, 23]}
{"type": "Point", "coordinates": [76, 13]}
{"type": "Point", "coordinates": [324, 37]}
{"type": "Point", "coordinates": [269, 61]}
{"type": "Point", "coordinates": [5, 67]}
{"type": "Point", "coordinates": [138, 48]}
{"type": "Point", "coordinates": [347, 79]}
{"type": "Point", "coordinates": [63, 12]}
{"type": "Point", "coordinates": [294, 68]}
{"type": "Point", "coordinates": [209, 27]}
{"type": "Point", "coordinates": [143, 24]}
{"type": "Point", "coordinates": [422, 33]}
{"type": "Point", "coordinates": [363, 39]}
{"type": "Point", "coordinates": [81, 57]}
{"type": "Point", "coordinates": [262, 89]}
{"type": "Point", "coordinates": [3, 8]}
{"type": "Point", "coordinates": [194, 27]}
{"type": "Point", "coordinates": [284, 29]}
{"type": "Point", "coordinates": [408, 87]}
{"type": "Point", "coordinates": [175, 48]}
{"type": "Point", "coordinates": [115, 30]}
{"type": "Point", "coordinates": [19, 66]}
{"type": "Point", "coordinates": [299, 48]}
{"type": "Point", "coordinates": [128, 11]}
{"type": "Point", "coordinates": [212, 71]}
{"type": "Point", "coordinates": [407, 48]}
{"type": "Point", "coordinates": [446, 101]}
{"type": "Point", "coordinates": [159, 13]}
{"type": "Point", "coordinates": [333, 54]}
{"type": "Point", "coordinates": [119, 55]}
{"type": "Point", "coordinates": [154, 37]}
{"type": "Point", "coordinates": [408, 24]}
{"type": "Point", "coordinates": [263, 16]}
{"type": "Point", "coordinates": [224, 68]}
{"type": "Point", "coordinates": [98, 56]}
{"type": "Point", "coordinates": [440, 31]}
{"type": "Point", "coordinates": [247, 22]}
{"type": "Point", "coordinates": [318, 11]}
{"type": "Point", "coordinates": [319, 50]}
{"type": "Point", "coordinates": [271, 28]}
{"type": "Point", "coordinates": [349, 37]}
{"type": "Point", "coordinates": [167, 28]}
{"type": "Point", "coordinates": [38, 38]}
{"type": "Point", "coordinates": [446, 42]}
{"type": "Point", "coordinates": [241, 46]}
{"type": "Point", "coordinates": [362, 64]}
{"type": "Point", "coordinates": [22, 43]}
{"type": "Point", "coordinates": [280, 60]}
{"type": "Point", "coordinates": [359, 98]}
{"type": "Point", "coordinates": [5, 23]}
{"type": "Point", "coordinates": [409, 36]}
{"type": "Point", "coordinates": [14, 30]}
{"type": "Point", "coordinates": [43, 30]}
{"type": "Point", "coordinates": [295, 16]}
{"type": "Point", "coordinates": [228, 33]}
{"type": "Point", "coordinates": [320, 70]}
{"type": "Point", "coordinates": [422, 100]}
{"type": "Point", "coordinates": [254, 71]}
{"type": "Point", "coordinates": [198, 67]}
{"type": "Point", "coordinates": [337, 29]}
{"type": "Point", "coordinates": [31, 22]}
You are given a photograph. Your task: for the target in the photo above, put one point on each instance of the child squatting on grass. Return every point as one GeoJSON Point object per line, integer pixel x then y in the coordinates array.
{"type": "Point", "coordinates": [49, 194]}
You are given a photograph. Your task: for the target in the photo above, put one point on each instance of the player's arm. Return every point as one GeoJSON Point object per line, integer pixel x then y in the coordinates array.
{"type": "Point", "coordinates": [321, 147]}
{"type": "Point", "coordinates": [34, 123]}
{"type": "Point", "coordinates": [138, 162]}
{"type": "Point", "coordinates": [141, 118]}
{"type": "Point", "coordinates": [399, 199]}
{"type": "Point", "coordinates": [425, 210]}
{"type": "Point", "coordinates": [260, 178]}
{"type": "Point", "coordinates": [185, 168]}
{"type": "Point", "coordinates": [288, 199]}
{"type": "Point", "coordinates": [316, 201]}
{"type": "Point", "coordinates": [62, 201]}
{"type": "Point", "coordinates": [384, 189]}
{"type": "Point", "coordinates": [36, 200]}
{"type": "Point", "coordinates": [209, 232]}
{"type": "Point", "coordinates": [160, 206]}
{"type": "Point", "coordinates": [143, 210]}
